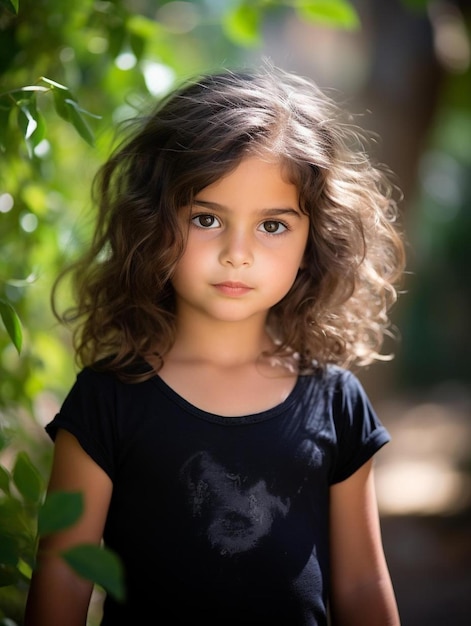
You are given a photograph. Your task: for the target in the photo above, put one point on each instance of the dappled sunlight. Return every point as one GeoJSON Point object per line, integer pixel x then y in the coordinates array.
{"type": "Point", "coordinates": [422, 488]}
{"type": "Point", "coordinates": [425, 469]}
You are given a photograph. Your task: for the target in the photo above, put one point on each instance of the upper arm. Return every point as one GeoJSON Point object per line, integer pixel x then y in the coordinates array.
{"type": "Point", "coordinates": [57, 594]}
{"type": "Point", "coordinates": [354, 526]}
{"type": "Point", "coordinates": [74, 470]}
{"type": "Point", "coordinates": [360, 580]}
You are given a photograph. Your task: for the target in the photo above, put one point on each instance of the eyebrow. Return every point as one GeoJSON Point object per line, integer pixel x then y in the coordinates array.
{"type": "Point", "coordinates": [269, 212]}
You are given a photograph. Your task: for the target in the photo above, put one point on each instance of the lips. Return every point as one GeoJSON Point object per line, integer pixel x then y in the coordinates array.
{"type": "Point", "coordinates": [230, 288]}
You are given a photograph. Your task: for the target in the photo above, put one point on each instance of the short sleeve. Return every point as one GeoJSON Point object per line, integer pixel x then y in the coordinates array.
{"type": "Point", "coordinates": [360, 434]}
{"type": "Point", "coordinates": [88, 414]}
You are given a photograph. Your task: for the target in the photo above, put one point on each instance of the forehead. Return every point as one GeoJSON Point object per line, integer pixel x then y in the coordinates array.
{"type": "Point", "coordinates": [258, 179]}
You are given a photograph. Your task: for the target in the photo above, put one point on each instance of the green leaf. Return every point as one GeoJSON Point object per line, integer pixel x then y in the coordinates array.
{"type": "Point", "coordinates": [31, 123]}
{"type": "Point", "coordinates": [335, 13]}
{"type": "Point", "coordinates": [12, 324]}
{"type": "Point", "coordinates": [99, 565]}
{"type": "Point", "coordinates": [9, 550]}
{"type": "Point", "coordinates": [27, 479]}
{"type": "Point", "coordinates": [22, 95]}
{"type": "Point", "coordinates": [13, 521]}
{"type": "Point", "coordinates": [60, 510]}
{"type": "Point", "coordinates": [68, 108]}
{"type": "Point", "coordinates": [10, 5]}
{"type": "Point", "coordinates": [60, 96]}
{"type": "Point", "coordinates": [38, 134]}
{"type": "Point", "coordinates": [9, 575]}
{"type": "Point", "coordinates": [137, 45]}
{"type": "Point", "coordinates": [4, 480]}
{"type": "Point", "coordinates": [79, 123]}
{"type": "Point", "coordinates": [24, 568]}
{"type": "Point", "coordinates": [242, 25]}
{"type": "Point", "coordinates": [54, 84]}
{"type": "Point", "coordinates": [117, 36]}
{"type": "Point", "coordinates": [27, 125]}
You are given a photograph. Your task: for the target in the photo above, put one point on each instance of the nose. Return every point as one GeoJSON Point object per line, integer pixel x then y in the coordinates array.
{"type": "Point", "coordinates": [237, 249]}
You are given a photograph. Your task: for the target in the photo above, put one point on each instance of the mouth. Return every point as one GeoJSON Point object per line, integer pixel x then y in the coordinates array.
{"type": "Point", "coordinates": [233, 288]}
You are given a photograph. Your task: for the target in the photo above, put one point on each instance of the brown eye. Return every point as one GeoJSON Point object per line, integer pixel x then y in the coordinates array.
{"type": "Point", "coordinates": [205, 221]}
{"type": "Point", "coordinates": [273, 227]}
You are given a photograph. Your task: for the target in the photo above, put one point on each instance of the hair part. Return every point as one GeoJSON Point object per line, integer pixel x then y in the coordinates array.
{"type": "Point", "coordinates": [338, 308]}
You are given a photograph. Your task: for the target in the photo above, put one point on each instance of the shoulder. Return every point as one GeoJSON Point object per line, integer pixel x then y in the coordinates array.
{"type": "Point", "coordinates": [91, 381]}
{"type": "Point", "coordinates": [107, 372]}
{"type": "Point", "coordinates": [96, 386]}
{"type": "Point", "coordinates": [337, 397]}
{"type": "Point", "coordinates": [346, 383]}
{"type": "Point", "coordinates": [334, 379]}
{"type": "Point", "coordinates": [347, 392]}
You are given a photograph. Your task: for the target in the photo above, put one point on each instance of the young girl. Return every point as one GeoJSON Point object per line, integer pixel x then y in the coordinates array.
{"type": "Point", "coordinates": [245, 255]}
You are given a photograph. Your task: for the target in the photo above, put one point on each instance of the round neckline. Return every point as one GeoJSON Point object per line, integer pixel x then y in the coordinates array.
{"type": "Point", "coordinates": [232, 419]}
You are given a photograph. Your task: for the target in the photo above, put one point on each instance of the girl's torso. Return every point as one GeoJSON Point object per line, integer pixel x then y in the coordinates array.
{"type": "Point", "coordinates": [214, 515]}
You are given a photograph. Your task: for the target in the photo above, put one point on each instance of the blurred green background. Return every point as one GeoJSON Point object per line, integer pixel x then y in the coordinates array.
{"type": "Point", "coordinates": [70, 72]}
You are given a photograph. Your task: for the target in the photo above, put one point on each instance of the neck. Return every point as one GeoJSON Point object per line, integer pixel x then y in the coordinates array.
{"type": "Point", "coordinates": [223, 344]}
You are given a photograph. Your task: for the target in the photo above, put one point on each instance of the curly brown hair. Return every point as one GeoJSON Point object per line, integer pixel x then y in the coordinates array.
{"type": "Point", "coordinates": [338, 309]}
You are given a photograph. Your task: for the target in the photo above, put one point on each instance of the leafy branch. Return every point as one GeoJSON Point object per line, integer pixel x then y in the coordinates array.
{"type": "Point", "coordinates": [32, 126]}
{"type": "Point", "coordinates": [31, 122]}
{"type": "Point", "coordinates": [23, 489]}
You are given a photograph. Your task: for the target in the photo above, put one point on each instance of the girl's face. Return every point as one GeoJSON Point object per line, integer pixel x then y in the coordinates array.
{"type": "Point", "coordinates": [246, 242]}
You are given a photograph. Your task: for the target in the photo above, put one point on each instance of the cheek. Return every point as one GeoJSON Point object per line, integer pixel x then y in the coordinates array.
{"type": "Point", "coordinates": [282, 274]}
{"type": "Point", "coordinates": [180, 272]}
{"type": "Point", "coordinates": [194, 260]}
{"type": "Point", "coordinates": [289, 259]}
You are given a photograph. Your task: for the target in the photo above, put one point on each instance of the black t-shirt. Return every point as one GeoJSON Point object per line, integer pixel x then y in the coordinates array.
{"type": "Point", "coordinates": [221, 520]}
